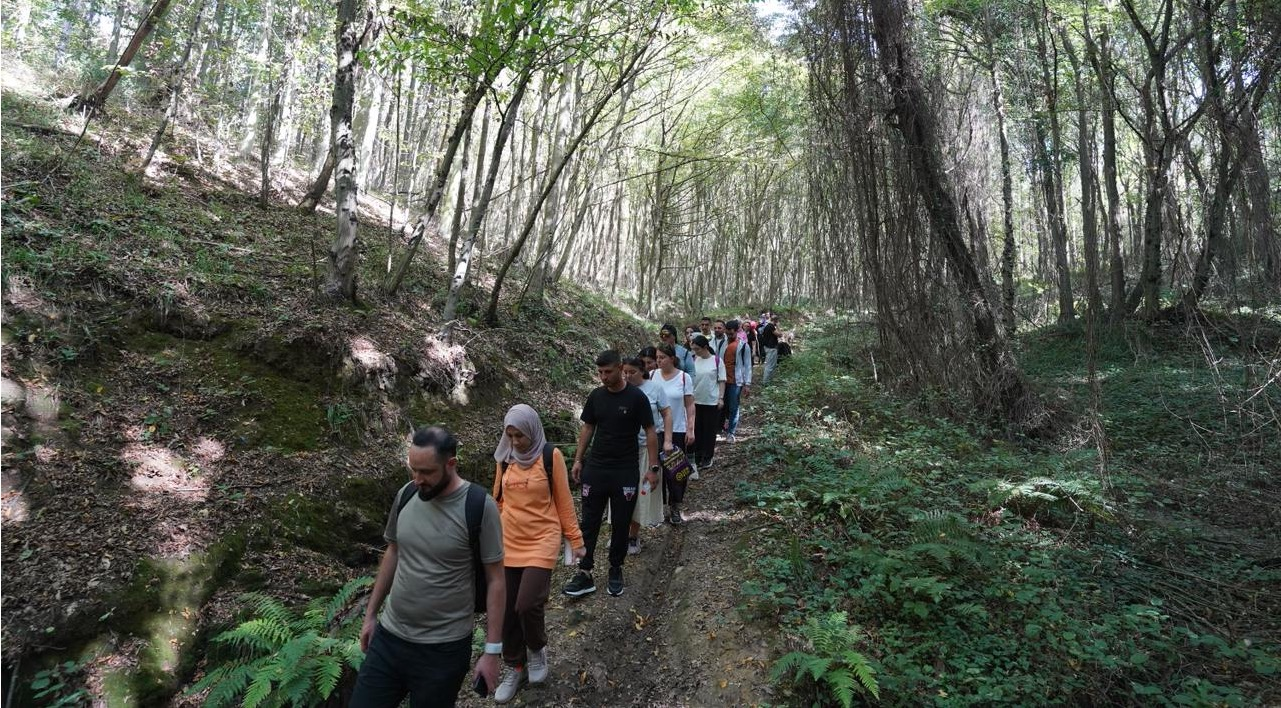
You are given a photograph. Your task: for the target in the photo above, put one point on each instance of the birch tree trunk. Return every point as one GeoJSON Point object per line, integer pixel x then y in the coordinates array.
{"type": "Point", "coordinates": [463, 268]}
{"type": "Point", "coordinates": [342, 252]}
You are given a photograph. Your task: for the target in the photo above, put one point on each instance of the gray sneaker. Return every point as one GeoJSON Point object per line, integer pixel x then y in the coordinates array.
{"type": "Point", "coordinates": [537, 666]}
{"type": "Point", "coordinates": [513, 678]}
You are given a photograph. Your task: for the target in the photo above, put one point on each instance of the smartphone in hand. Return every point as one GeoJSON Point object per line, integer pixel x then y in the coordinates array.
{"type": "Point", "coordinates": [479, 686]}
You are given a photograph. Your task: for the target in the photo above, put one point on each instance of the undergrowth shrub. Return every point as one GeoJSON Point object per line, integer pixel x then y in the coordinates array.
{"type": "Point", "coordinates": [980, 571]}
{"type": "Point", "coordinates": [279, 657]}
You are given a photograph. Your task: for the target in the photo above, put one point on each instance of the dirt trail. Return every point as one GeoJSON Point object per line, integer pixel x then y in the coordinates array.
{"type": "Point", "coordinates": [674, 637]}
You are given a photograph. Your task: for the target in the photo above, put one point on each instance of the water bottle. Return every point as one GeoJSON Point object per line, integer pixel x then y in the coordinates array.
{"type": "Point", "coordinates": [646, 488]}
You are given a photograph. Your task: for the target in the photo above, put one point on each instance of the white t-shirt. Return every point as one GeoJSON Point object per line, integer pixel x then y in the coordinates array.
{"type": "Point", "coordinates": [707, 373]}
{"type": "Point", "coordinates": [657, 402]}
{"type": "Point", "coordinates": [674, 392]}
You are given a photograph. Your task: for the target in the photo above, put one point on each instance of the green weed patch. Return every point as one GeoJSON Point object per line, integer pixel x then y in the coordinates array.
{"type": "Point", "coordinates": [970, 571]}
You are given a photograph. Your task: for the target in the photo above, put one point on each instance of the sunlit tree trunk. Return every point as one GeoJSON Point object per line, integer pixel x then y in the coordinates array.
{"type": "Point", "coordinates": [175, 88]}
{"type": "Point", "coordinates": [463, 269]}
{"type": "Point", "coordinates": [342, 252]}
{"type": "Point", "coordinates": [94, 102]}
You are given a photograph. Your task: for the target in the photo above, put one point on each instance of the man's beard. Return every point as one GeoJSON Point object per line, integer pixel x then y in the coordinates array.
{"type": "Point", "coordinates": [433, 491]}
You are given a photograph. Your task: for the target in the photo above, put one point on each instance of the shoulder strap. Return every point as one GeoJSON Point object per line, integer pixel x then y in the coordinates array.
{"type": "Point", "coordinates": [474, 512]}
{"type": "Point", "coordinates": [406, 495]}
{"type": "Point", "coordinates": [548, 448]}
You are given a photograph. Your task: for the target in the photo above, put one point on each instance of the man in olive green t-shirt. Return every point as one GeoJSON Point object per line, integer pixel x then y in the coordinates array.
{"type": "Point", "coordinates": [421, 645]}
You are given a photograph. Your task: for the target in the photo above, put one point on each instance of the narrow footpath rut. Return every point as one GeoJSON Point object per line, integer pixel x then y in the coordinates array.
{"type": "Point", "coordinates": [673, 638]}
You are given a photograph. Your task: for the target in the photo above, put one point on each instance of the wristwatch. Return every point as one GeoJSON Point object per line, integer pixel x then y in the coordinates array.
{"type": "Point", "coordinates": [493, 647]}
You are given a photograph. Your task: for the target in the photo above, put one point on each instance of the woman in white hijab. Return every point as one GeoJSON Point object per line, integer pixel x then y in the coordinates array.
{"type": "Point", "coordinates": [537, 511]}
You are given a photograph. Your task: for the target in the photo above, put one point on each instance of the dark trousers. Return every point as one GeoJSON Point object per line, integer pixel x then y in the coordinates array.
{"type": "Point", "coordinates": [617, 489]}
{"type": "Point", "coordinates": [524, 625]}
{"type": "Point", "coordinates": [707, 423]}
{"type": "Point", "coordinates": [431, 674]}
{"type": "Point", "coordinates": [673, 491]}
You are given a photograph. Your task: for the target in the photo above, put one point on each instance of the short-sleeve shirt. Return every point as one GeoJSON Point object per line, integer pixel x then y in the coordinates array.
{"type": "Point", "coordinates": [657, 404]}
{"type": "Point", "coordinates": [617, 418]}
{"type": "Point", "coordinates": [432, 597]}
{"type": "Point", "coordinates": [707, 374]}
{"type": "Point", "coordinates": [674, 392]}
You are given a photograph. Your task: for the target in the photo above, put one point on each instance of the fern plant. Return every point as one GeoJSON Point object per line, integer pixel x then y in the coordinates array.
{"type": "Point", "coordinates": [279, 657]}
{"type": "Point", "coordinates": [832, 662]}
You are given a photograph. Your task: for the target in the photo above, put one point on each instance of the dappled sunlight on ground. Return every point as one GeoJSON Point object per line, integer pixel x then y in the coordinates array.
{"type": "Point", "coordinates": [15, 502]}
{"type": "Point", "coordinates": [208, 450]}
{"type": "Point", "coordinates": [157, 470]}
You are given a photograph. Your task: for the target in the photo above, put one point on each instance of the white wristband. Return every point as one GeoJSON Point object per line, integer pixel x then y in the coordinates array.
{"type": "Point", "coordinates": [493, 647]}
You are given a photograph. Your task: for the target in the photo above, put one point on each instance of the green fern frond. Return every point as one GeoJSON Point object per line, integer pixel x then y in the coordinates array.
{"type": "Point", "coordinates": [786, 664]}
{"type": "Point", "coordinates": [344, 596]}
{"type": "Point", "coordinates": [866, 676]}
{"type": "Point", "coordinates": [258, 691]}
{"type": "Point", "coordinates": [258, 635]}
{"type": "Point", "coordinates": [833, 663]}
{"type": "Point", "coordinates": [325, 675]}
{"type": "Point", "coordinates": [842, 684]}
{"type": "Point", "coordinates": [267, 607]}
{"type": "Point", "coordinates": [226, 683]}
{"type": "Point", "coordinates": [939, 526]}
{"type": "Point", "coordinates": [291, 654]}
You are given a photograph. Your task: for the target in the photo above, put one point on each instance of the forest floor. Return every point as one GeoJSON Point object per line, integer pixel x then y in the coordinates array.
{"type": "Point", "coordinates": [676, 636]}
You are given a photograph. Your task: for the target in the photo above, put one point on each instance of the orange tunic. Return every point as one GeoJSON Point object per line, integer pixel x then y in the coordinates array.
{"type": "Point", "coordinates": [535, 517]}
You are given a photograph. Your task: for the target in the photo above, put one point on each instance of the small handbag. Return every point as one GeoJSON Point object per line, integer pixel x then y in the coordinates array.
{"type": "Point", "coordinates": [675, 465]}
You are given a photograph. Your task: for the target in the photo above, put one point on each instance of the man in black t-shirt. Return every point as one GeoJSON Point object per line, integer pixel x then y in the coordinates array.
{"type": "Point", "coordinates": [613, 415]}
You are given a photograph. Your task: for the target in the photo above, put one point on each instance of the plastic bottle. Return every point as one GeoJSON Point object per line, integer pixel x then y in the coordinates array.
{"type": "Point", "coordinates": [646, 488]}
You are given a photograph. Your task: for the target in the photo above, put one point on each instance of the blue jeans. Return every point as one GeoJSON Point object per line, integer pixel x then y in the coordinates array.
{"type": "Point", "coordinates": [431, 674]}
{"type": "Point", "coordinates": [732, 394]}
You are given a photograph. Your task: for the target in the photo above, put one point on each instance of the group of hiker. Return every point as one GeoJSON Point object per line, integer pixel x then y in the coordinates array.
{"type": "Point", "coordinates": [454, 550]}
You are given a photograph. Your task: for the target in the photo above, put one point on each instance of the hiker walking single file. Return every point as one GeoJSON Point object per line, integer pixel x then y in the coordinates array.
{"type": "Point", "coordinates": [605, 462]}
{"type": "Point", "coordinates": [421, 644]}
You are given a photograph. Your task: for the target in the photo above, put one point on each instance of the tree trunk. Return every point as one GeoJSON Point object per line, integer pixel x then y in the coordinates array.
{"type": "Point", "coordinates": [429, 222]}
{"type": "Point", "coordinates": [94, 102]}
{"type": "Point", "coordinates": [117, 25]}
{"type": "Point", "coordinates": [915, 120]}
{"type": "Point", "coordinates": [625, 74]}
{"type": "Point", "coordinates": [372, 119]}
{"type": "Point", "coordinates": [1089, 186]}
{"type": "Point", "coordinates": [463, 269]}
{"type": "Point", "coordinates": [318, 188]}
{"type": "Point", "coordinates": [1007, 208]}
{"type": "Point", "coordinates": [342, 252]}
{"type": "Point", "coordinates": [175, 88]}
{"type": "Point", "coordinates": [1051, 167]}
{"type": "Point", "coordinates": [1100, 56]}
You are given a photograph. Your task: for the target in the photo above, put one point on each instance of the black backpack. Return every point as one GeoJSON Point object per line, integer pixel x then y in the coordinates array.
{"type": "Point", "coordinates": [547, 469]}
{"type": "Point", "coordinates": [474, 513]}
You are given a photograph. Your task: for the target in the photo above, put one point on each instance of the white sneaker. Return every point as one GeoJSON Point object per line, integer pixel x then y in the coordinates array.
{"type": "Point", "coordinates": [513, 678]}
{"type": "Point", "coordinates": [537, 666]}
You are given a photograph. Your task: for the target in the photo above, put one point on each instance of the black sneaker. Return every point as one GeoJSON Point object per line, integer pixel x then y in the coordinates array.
{"type": "Point", "coordinates": [581, 584]}
{"type": "Point", "coordinates": [615, 586]}
{"type": "Point", "coordinates": [676, 518]}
